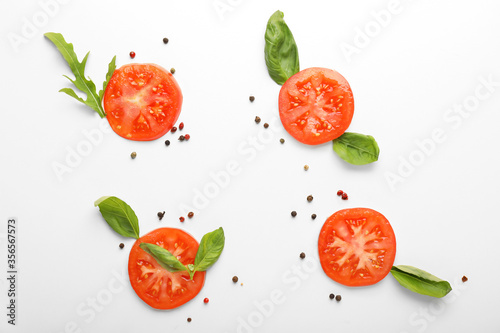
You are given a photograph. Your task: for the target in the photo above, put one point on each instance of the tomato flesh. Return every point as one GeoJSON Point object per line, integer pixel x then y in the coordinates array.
{"type": "Point", "coordinates": [316, 105]}
{"type": "Point", "coordinates": [155, 285]}
{"type": "Point", "coordinates": [357, 247]}
{"type": "Point", "coordinates": [142, 101]}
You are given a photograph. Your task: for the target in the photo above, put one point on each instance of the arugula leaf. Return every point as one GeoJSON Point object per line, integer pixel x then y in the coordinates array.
{"type": "Point", "coordinates": [355, 148]}
{"type": "Point", "coordinates": [280, 52]}
{"type": "Point", "coordinates": [119, 216]}
{"type": "Point", "coordinates": [420, 281]}
{"type": "Point", "coordinates": [93, 99]}
{"type": "Point", "coordinates": [111, 70]}
{"type": "Point", "coordinates": [163, 257]}
{"type": "Point", "coordinates": [211, 246]}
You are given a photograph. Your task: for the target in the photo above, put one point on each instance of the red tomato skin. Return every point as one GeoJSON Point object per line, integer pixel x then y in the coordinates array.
{"type": "Point", "coordinates": [345, 104]}
{"type": "Point", "coordinates": [116, 83]}
{"type": "Point", "coordinates": [136, 253]}
{"type": "Point", "coordinates": [374, 218]}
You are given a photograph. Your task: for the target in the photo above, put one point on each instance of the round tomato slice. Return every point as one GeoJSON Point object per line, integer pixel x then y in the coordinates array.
{"type": "Point", "coordinates": [316, 105]}
{"type": "Point", "coordinates": [357, 247]}
{"type": "Point", "coordinates": [142, 101]}
{"type": "Point", "coordinates": [155, 285]}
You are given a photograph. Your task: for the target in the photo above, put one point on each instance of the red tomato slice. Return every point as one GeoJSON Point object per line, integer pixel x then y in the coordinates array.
{"type": "Point", "coordinates": [155, 285]}
{"type": "Point", "coordinates": [142, 101]}
{"type": "Point", "coordinates": [316, 105]}
{"type": "Point", "coordinates": [357, 247]}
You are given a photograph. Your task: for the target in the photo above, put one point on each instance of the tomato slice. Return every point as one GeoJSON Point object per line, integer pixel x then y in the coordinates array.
{"type": "Point", "coordinates": [155, 285]}
{"type": "Point", "coordinates": [142, 101]}
{"type": "Point", "coordinates": [357, 247]}
{"type": "Point", "coordinates": [316, 105]}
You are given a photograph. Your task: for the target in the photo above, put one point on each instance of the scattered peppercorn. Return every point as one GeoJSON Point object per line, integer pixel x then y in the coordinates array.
{"type": "Point", "coordinates": [332, 296]}
{"type": "Point", "coordinates": [182, 138]}
{"type": "Point", "coordinates": [464, 279]}
{"type": "Point", "coordinates": [181, 126]}
{"type": "Point", "coordinates": [167, 143]}
{"type": "Point", "coordinates": [302, 255]}
{"type": "Point", "coordinates": [257, 119]}
{"type": "Point", "coordinates": [172, 70]}
{"type": "Point", "coordinates": [235, 279]}
{"type": "Point", "coordinates": [309, 198]}
{"type": "Point", "coordinates": [174, 129]}
{"type": "Point", "coordinates": [340, 192]}
{"type": "Point", "coordinates": [181, 218]}
{"type": "Point", "coordinates": [165, 40]}
{"type": "Point", "coordinates": [189, 320]}
{"type": "Point", "coordinates": [251, 98]}
{"type": "Point", "coordinates": [160, 215]}
{"type": "Point", "coordinates": [344, 196]}
{"type": "Point", "coordinates": [266, 125]}
{"type": "Point", "coordinates": [306, 167]}
{"type": "Point", "coordinates": [282, 140]}
{"type": "Point", "coordinates": [132, 54]}
{"type": "Point", "coordinates": [338, 298]}
{"type": "Point", "coordinates": [133, 155]}
{"type": "Point", "coordinates": [190, 215]}
{"type": "Point", "coordinates": [122, 245]}
{"type": "Point", "coordinates": [313, 216]}
{"type": "Point", "coordinates": [206, 300]}
{"type": "Point", "coordinates": [187, 137]}
{"type": "Point", "coordinates": [294, 213]}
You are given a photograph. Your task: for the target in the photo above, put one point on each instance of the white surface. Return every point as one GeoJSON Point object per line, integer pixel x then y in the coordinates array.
{"type": "Point", "coordinates": [429, 57]}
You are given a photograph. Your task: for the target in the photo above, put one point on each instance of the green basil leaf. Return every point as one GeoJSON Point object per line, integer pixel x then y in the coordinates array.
{"type": "Point", "coordinates": [163, 257]}
{"type": "Point", "coordinates": [119, 216]}
{"type": "Point", "coordinates": [111, 70]}
{"type": "Point", "coordinates": [210, 249]}
{"type": "Point", "coordinates": [420, 281]}
{"type": "Point", "coordinates": [281, 53]}
{"type": "Point", "coordinates": [355, 148]}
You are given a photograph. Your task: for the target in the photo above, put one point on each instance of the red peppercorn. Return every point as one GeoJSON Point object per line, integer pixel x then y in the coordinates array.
{"type": "Point", "coordinates": [132, 54]}
{"type": "Point", "coordinates": [344, 196]}
{"type": "Point", "coordinates": [206, 300]}
{"type": "Point", "coordinates": [340, 192]}
{"type": "Point", "coordinates": [181, 218]}
{"type": "Point", "coordinates": [173, 129]}
{"type": "Point", "coordinates": [187, 137]}
{"type": "Point", "coordinates": [181, 126]}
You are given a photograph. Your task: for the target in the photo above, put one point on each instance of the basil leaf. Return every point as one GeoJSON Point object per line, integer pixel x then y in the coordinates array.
{"type": "Point", "coordinates": [210, 249]}
{"type": "Point", "coordinates": [420, 281]}
{"type": "Point", "coordinates": [355, 148]}
{"type": "Point", "coordinates": [111, 70]}
{"type": "Point", "coordinates": [281, 53]}
{"type": "Point", "coordinates": [163, 257]}
{"type": "Point", "coordinates": [119, 216]}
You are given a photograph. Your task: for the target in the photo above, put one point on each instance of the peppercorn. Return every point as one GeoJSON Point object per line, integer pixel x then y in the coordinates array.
{"type": "Point", "coordinates": [122, 245]}
{"type": "Point", "coordinates": [282, 140]}
{"type": "Point", "coordinates": [160, 215]}
{"type": "Point", "coordinates": [206, 300]}
{"type": "Point", "coordinates": [306, 167]}
{"type": "Point", "coordinates": [266, 125]}
{"type": "Point", "coordinates": [181, 218]}
{"type": "Point", "coordinates": [257, 119]}
{"type": "Point", "coordinates": [132, 54]}
{"type": "Point", "coordinates": [235, 279]}
{"type": "Point", "coordinates": [133, 155]}
{"type": "Point", "coordinates": [344, 196]}
{"type": "Point", "coordinates": [340, 192]}
{"type": "Point", "coordinates": [309, 198]}
{"type": "Point", "coordinates": [167, 143]}
{"type": "Point", "coordinates": [190, 215]}
{"type": "Point", "coordinates": [338, 298]}
{"type": "Point", "coordinates": [172, 70]}
{"type": "Point", "coordinates": [182, 138]}
{"type": "Point", "coordinates": [174, 129]}
{"type": "Point", "coordinates": [181, 126]}
{"type": "Point", "coordinates": [313, 216]}
{"type": "Point", "coordinates": [189, 320]}
{"type": "Point", "coordinates": [187, 137]}
{"type": "Point", "coordinates": [165, 40]}
{"type": "Point", "coordinates": [464, 279]}
{"type": "Point", "coordinates": [302, 255]}
{"type": "Point", "coordinates": [332, 296]}
{"type": "Point", "coordinates": [251, 98]}
{"type": "Point", "coordinates": [294, 213]}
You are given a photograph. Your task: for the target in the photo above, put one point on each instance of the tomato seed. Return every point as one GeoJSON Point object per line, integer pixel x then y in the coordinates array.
{"type": "Point", "coordinates": [181, 126]}
{"type": "Point", "coordinates": [302, 255]}
{"type": "Point", "coordinates": [206, 300]}
{"type": "Point", "coordinates": [181, 218]}
{"type": "Point", "coordinates": [338, 298]}
{"type": "Point", "coordinates": [344, 196]}
{"type": "Point", "coordinates": [464, 279]}
{"type": "Point", "coordinates": [251, 98]}
{"type": "Point", "coordinates": [313, 216]}
{"type": "Point", "coordinates": [173, 130]}
{"type": "Point", "coordinates": [282, 140]}
{"type": "Point", "coordinates": [182, 138]}
{"type": "Point", "coordinates": [172, 70]}
{"type": "Point", "coordinates": [189, 320]}
{"type": "Point", "coordinates": [165, 40]}
{"type": "Point", "coordinates": [160, 215]}
{"type": "Point", "coordinates": [235, 279]}
{"type": "Point", "coordinates": [309, 198]}
{"type": "Point", "coordinates": [266, 125]}
{"type": "Point", "coordinates": [340, 192]}
{"type": "Point", "coordinates": [187, 137]}
{"type": "Point", "coordinates": [257, 119]}
{"type": "Point", "coordinates": [332, 296]}
{"type": "Point", "coordinates": [122, 245]}
{"type": "Point", "coordinates": [132, 54]}
{"type": "Point", "coordinates": [306, 167]}
{"type": "Point", "coordinates": [133, 155]}
{"type": "Point", "coordinates": [294, 213]}
{"type": "Point", "coordinates": [167, 143]}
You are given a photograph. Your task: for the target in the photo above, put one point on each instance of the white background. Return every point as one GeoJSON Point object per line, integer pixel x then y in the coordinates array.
{"type": "Point", "coordinates": [428, 58]}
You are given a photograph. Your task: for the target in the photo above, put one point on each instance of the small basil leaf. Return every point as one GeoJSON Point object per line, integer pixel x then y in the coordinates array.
{"type": "Point", "coordinates": [210, 249]}
{"type": "Point", "coordinates": [119, 216]}
{"type": "Point", "coordinates": [355, 148]}
{"type": "Point", "coordinates": [163, 257]}
{"type": "Point", "coordinates": [280, 51]}
{"type": "Point", "coordinates": [420, 281]}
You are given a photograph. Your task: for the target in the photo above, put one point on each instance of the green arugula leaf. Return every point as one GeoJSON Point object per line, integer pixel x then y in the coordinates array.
{"type": "Point", "coordinates": [163, 257]}
{"type": "Point", "coordinates": [355, 148]}
{"type": "Point", "coordinates": [119, 216]}
{"type": "Point", "coordinates": [210, 249]}
{"type": "Point", "coordinates": [280, 52]}
{"type": "Point", "coordinates": [111, 70]}
{"type": "Point", "coordinates": [93, 99]}
{"type": "Point", "coordinates": [420, 281]}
